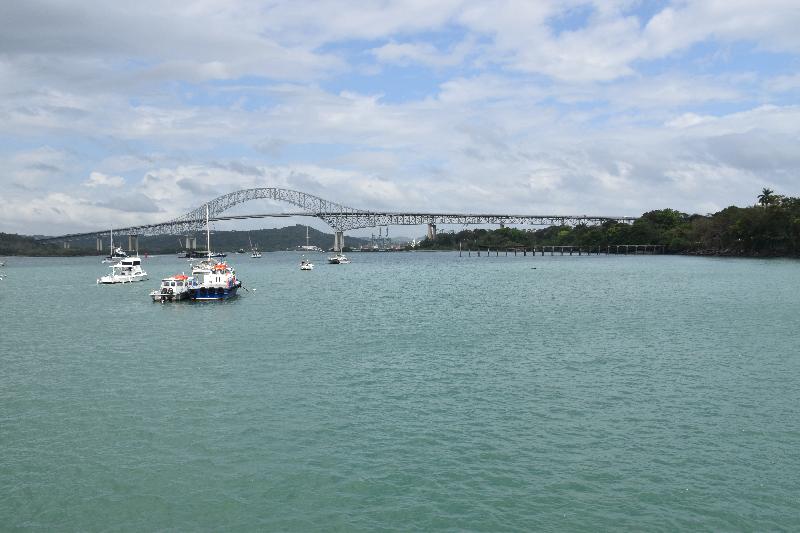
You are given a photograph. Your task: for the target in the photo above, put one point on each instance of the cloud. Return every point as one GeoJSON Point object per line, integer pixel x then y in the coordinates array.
{"type": "Point", "coordinates": [98, 179]}
{"type": "Point", "coordinates": [515, 106]}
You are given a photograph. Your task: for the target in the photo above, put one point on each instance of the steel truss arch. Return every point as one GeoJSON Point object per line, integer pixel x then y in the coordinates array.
{"type": "Point", "coordinates": [337, 216]}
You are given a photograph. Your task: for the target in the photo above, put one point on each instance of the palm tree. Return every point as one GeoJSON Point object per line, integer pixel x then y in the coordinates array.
{"type": "Point", "coordinates": [766, 197]}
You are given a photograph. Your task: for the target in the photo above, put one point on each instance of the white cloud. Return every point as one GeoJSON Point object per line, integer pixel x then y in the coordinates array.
{"type": "Point", "coordinates": [552, 106]}
{"type": "Point", "coordinates": [98, 179]}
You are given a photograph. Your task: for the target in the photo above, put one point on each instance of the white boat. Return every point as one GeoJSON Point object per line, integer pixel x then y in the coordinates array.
{"type": "Point", "coordinates": [116, 253]}
{"type": "Point", "coordinates": [338, 259]}
{"type": "Point", "coordinates": [212, 279]}
{"type": "Point", "coordinates": [305, 264]}
{"type": "Point", "coordinates": [308, 247]}
{"type": "Point", "coordinates": [173, 289]}
{"type": "Point", "coordinates": [254, 253]}
{"type": "Point", "coordinates": [127, 270]}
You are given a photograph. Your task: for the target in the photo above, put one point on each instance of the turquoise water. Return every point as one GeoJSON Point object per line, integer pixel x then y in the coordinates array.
{"type": "Point", "coordinates": [409, 391]}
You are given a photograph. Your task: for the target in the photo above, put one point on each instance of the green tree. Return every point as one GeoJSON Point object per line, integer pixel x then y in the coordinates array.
{"type": "Point", "coordinates": [766, 197]}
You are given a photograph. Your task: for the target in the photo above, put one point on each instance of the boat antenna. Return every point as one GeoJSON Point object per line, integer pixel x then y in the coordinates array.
{"type": "Point", "coordinates": [208, 234]}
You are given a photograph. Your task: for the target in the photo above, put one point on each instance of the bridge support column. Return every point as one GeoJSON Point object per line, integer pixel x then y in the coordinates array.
{"type": "Point", "coordinates": [66, 245]}
{"type": "Point", "coordinates": [338, 241]}
{"type": "Point", "coordinates": [191, 242]}
{"type": "Point", "coordinates": [99, 244]}
{"type": "Point", "coordinates": [133, 243]}
{"type": "Point", "coordinates": [431, 231]}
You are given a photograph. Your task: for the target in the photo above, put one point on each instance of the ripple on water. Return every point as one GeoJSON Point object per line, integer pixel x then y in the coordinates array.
{"type": "Point", "coordinates": [406, 392]}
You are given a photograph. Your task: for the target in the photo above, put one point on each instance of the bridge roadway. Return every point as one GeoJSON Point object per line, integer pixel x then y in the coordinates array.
{"type": "Point", "coordinates": [358, 220]}
{"type": "Point", "coordinates": [337, 216]}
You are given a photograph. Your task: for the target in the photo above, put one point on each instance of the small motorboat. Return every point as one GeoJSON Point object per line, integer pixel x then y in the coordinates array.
{"type": "Point", "coordinates": [338, 259]}
{"type": "Point", "coordinates": [173, 289]}
{"type": "Point", "coordinates": [305, 264]}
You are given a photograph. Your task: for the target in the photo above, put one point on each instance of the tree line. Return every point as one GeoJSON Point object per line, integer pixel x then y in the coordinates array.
{"type": "Point", "coordinates": [770, 228]}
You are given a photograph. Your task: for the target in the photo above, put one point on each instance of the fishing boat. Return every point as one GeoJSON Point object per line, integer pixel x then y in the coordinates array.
{"type": "Point", "coordinates": [127, 270]}
{"type": "Point", "coordinates": [338, 259]}
{"type": "Point", "coordinates": [305, 264]}
{"type": "Point", "coordinates": [212, 279]}
{"type": "Point", "coordinates": [173, 289]}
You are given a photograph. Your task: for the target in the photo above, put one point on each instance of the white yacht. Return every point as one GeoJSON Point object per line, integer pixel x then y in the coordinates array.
{"type": "Point", "coordinates": [305, 264]}
{"type": "Point", "coordinates": [127, 270]}
{"type": "Point", "coordinates": [173, 289]}
{"type": "Point", "coordinates": [338, 259]}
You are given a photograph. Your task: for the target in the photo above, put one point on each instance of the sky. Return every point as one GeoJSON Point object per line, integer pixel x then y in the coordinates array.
{"type": "Point", "coordinates": [124, 113]}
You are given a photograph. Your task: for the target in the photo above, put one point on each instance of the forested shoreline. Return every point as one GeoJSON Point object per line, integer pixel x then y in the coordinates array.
{"type": "Point", "coordinates": [771, 228]}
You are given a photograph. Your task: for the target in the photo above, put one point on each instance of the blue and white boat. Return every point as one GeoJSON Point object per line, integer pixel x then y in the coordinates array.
{"type": "Point", "coordinates": [212, 279]}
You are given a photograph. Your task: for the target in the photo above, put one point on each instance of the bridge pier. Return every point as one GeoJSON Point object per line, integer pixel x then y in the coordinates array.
{"type": "Point", "coordinates": [133, 243]}
{"type": "Point", "coordinates": [66, 245]}
{"type": "Point", "coordinates": [191, 242]}
{"type": "Point", "coordinates": [431, 231]}
{"type": "Point", "coordinates": [99, 244]}
{"type": "Point", "coordinates": [338, 241]}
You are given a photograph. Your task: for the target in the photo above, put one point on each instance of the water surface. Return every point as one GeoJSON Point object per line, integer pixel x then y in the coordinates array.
{"type": "Point", "coordinates": [407, 391]}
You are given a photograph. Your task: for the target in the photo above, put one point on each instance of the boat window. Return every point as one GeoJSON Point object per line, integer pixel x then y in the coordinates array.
{"type": "Point", "coordinates": [179, 284]}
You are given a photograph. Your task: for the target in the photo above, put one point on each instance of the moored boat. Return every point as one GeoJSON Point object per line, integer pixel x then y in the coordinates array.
{"type": "Point", "coordinates": [213, 280]}
{"type": "Point", "coordinates": [173, 289]}
{"type": "Point", "coordinates": [305, 264]}
{"type": "Point", "coordinates": [127, 270]}
{"type": "Point", "coordinates": [338, 259]}
{"type": "Point", "coordinates": [254, 253]}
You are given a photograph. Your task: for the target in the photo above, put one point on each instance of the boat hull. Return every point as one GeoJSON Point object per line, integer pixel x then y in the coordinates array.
{"type": "Point", "coordinates": [213, 293]}
{"type": "Point", "coordinates": [110, 280]}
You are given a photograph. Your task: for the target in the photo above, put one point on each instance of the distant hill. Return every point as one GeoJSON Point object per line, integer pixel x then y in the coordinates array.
{"type": "Point", "coordinates": [268, 240]}
{"type": "Point", "coordinates": [13, 244]}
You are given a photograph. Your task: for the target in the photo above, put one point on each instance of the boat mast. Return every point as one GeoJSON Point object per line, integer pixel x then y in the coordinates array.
{"type": "Point", "coordinates": [208, 234]}
{"type": "Point", "coordinates": [111, 251]}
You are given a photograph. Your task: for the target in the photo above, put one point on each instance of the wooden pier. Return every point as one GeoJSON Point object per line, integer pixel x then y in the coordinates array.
{"type": "Point", "coordinates": [615, 249]}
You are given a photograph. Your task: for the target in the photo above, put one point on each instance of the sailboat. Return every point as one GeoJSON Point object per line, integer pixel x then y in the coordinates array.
{"type": "Point", "coordinates": [115, 254]}
{"type": "Point", "coordinates": [254, 253]}
{"type": "Point", "coordinates": [308, 247]}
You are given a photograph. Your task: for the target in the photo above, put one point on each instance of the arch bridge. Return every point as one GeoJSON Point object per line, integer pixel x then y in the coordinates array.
{"type": "Point", "coordinates": [339, 217]}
